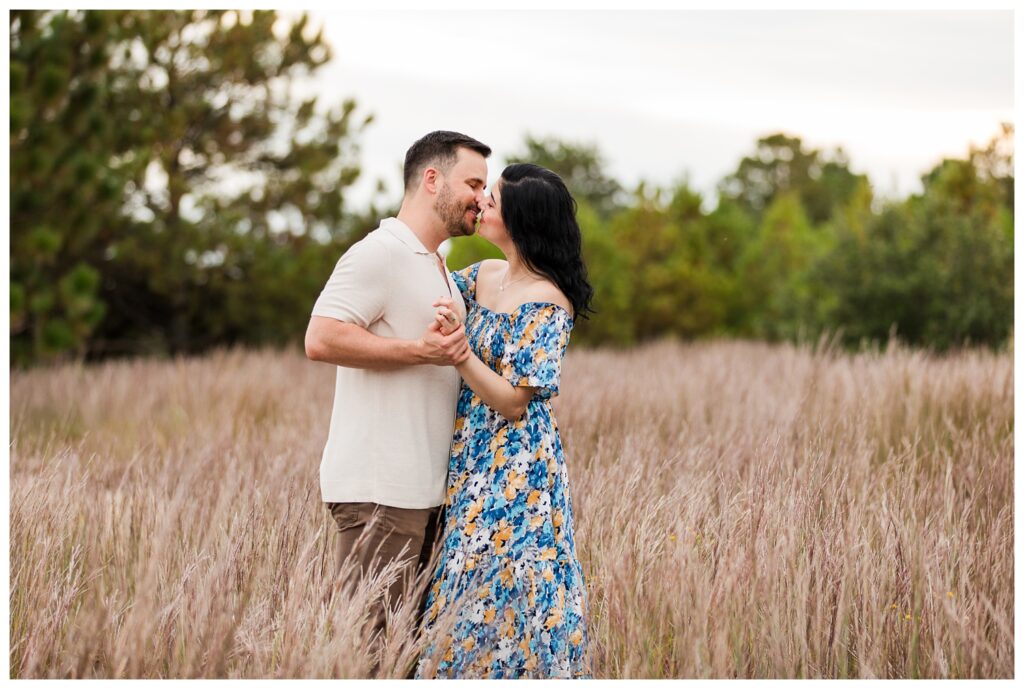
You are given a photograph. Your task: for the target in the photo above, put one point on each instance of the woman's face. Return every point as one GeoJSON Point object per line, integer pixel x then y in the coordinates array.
{"type": "Point", "coordinates": [492, 227]}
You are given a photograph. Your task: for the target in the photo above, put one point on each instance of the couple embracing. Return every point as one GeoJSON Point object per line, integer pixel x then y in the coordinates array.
{"type": "Point", "coordinates": [442, 434]}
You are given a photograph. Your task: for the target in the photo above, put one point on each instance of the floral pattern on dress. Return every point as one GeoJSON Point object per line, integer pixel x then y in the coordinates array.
{"type": "Point", "coordinates": [507, 597]}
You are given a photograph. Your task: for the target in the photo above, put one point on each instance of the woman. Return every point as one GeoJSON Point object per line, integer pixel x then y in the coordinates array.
{"type": "Point", "coordinates": [507, 598]}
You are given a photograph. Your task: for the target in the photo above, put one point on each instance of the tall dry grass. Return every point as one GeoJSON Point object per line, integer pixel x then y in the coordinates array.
{"type": "Point", "coordinates": [742, 510]}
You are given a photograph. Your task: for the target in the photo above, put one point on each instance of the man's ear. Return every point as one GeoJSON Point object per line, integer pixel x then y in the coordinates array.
{"type": "Point", "coordinates": [431, 179]}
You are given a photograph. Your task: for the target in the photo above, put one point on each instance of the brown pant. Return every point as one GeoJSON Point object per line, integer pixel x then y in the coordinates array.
{"type": "Point", "coordinates": [376, 535]}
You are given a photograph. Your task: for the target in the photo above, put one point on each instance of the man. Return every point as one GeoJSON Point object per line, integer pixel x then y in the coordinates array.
{"type": "Point", "coordinates": [385, 464]}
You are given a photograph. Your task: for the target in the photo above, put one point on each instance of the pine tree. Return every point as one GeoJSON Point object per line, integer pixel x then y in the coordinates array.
{"type": "Point", "coordinates": [63, 189]}
{"type": "Point", "coordinates": [165, 173]}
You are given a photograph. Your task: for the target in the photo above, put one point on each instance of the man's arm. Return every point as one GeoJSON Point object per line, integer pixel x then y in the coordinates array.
{"type": "Point", "coordinates": [354, 297]}
{"type": "Point", "coordinates": [347, 344]}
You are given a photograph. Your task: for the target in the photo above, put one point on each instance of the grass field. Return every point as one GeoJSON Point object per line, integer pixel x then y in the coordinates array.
{"type": "Point", "coordinates": [742, 510]}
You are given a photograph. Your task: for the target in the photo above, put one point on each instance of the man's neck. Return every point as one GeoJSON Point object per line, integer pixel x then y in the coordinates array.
{"type": "Point", "coordinates": [423, 225]}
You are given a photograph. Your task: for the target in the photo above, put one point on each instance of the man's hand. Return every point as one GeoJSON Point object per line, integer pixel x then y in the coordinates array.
{"type": "Point", "coordinates": [442, 349]}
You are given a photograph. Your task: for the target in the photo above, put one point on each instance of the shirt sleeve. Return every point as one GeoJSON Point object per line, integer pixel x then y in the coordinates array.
{"type": "Point", "coordinates": [534, 357]}
{"type": "Point", "coordinates": [358, 289]}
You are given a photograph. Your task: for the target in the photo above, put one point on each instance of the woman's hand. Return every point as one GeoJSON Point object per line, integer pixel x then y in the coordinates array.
{"type": "Point", "coordinates": [446, 317]}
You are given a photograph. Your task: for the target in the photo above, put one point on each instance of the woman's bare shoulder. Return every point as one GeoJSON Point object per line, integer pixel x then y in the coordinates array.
{"type": "Point", "coordinates": [547, 291]}
{"type": "Point", "coordinates": [489, 266]}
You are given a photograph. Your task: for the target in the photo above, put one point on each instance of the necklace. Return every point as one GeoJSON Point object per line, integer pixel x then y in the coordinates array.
{"type": "Point", "coordinates": [502, 285]}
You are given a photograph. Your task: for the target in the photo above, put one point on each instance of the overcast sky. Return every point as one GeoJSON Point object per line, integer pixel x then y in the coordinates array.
{"type": "Point", "coordinates": [667, 94]}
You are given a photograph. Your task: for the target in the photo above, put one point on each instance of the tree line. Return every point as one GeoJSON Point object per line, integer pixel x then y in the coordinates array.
{"type": "Point", "coordinates": [170, 194]}
{"type": "Point", "coordinates": [797, 246]}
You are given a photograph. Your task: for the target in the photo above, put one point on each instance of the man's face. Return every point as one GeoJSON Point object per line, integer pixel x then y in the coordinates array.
{"type": "Point", "coordinates": [461, 192]}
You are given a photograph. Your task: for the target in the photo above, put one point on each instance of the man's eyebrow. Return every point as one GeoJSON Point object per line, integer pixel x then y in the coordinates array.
{"type": "Point", "coordinates": [477, 180]}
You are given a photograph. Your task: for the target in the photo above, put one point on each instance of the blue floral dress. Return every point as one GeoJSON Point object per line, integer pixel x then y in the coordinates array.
{"type": "Point", "coordinates": [507, 597]}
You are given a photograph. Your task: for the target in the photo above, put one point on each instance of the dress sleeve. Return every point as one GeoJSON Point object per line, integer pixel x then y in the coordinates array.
{"type": "Point", "coordinates": [465, 279]}
{"type": "Point", "coordinates": [534, 357]}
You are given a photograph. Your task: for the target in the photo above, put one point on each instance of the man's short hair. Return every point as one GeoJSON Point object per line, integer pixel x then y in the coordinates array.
{"type": "Point", "coordinates": [439, 149]}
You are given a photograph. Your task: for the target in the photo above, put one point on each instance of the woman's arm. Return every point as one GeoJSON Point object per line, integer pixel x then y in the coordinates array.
{"type": "Point", "coordinates": [493, 389]}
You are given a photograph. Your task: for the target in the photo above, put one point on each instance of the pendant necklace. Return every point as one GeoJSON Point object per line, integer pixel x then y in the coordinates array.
{"type": "Point", "coordinates": [501, 287]}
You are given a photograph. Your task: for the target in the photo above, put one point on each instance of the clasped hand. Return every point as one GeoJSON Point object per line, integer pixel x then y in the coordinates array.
{"type": "Point", "coordinates": [445, 340]}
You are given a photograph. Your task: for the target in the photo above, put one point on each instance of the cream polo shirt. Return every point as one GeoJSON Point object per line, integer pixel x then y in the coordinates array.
{"type": "Point", "coordinates": [391, 431]}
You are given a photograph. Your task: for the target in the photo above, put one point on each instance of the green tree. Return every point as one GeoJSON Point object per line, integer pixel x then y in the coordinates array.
{"type": "Point", "coordinates": [219, 177]}
{"type": "Point", "coordinates": [608, 271]}
{"type": "Point", "coordinates": [780, 165]}
{"type": "Point", "coordinates": [730, 230]}
{"type": "Point", "coordinates": [675, 288]}
{"type": "Point", "coordinates": [249, 175]}
{"type": "Point", "coordinates": [779, 298]}
{"type": "Point", "coordinates": [994, 164]}
{"type": "Point", "coordinates": [938, 267]}
{"type": "Point", "coordinates": [63, 189]}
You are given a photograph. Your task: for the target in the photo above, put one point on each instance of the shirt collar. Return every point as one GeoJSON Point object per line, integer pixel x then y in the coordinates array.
{"type": "Point", "coordinates": [405, 235]}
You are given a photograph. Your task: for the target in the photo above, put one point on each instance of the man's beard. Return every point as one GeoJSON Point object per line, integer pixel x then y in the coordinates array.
{"type": "Point", "coordinates": [453, 214]}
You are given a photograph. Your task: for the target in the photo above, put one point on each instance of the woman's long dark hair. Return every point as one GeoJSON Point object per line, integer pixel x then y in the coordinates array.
{"type": "Point", "coordinates": [540, 216]}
